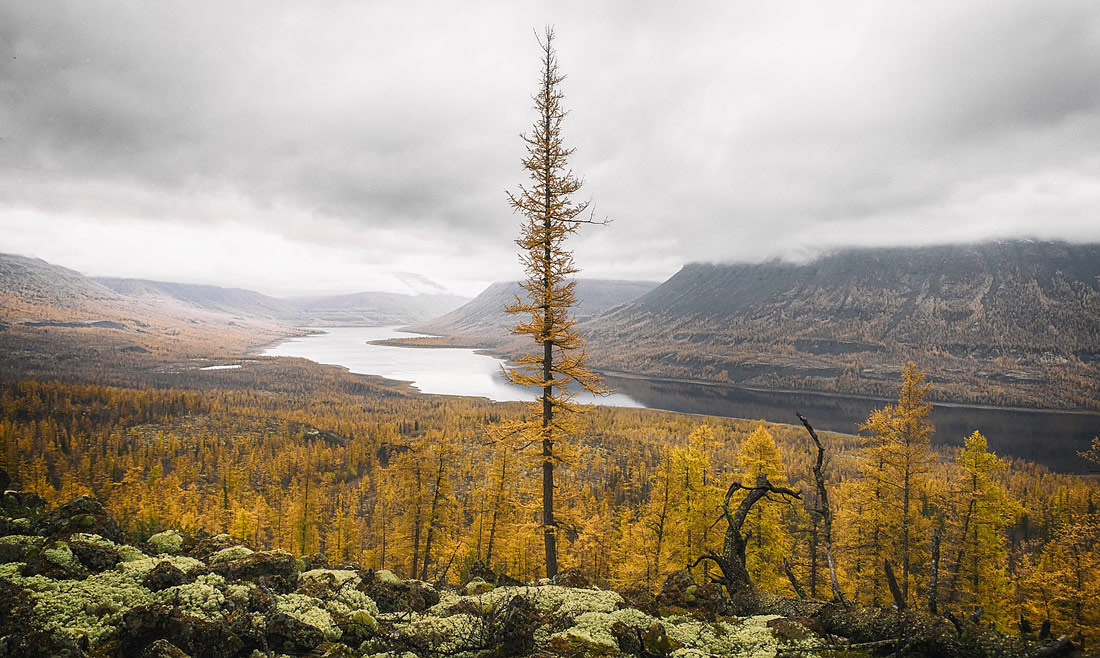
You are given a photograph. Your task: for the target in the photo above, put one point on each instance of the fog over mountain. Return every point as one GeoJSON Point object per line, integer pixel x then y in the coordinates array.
{"type": "Point", "coordinates": [310, 149]}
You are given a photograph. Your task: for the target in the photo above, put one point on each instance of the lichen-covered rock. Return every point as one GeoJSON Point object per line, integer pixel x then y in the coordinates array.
{"type": "Point", "coordinates": [339, 590]}
{"type": "Point", "coordinates": [168, 542]}
{"type": "Point", "coordinates": [144, 625]}
{"type": "Point", "coordinates": [84, 515]}
{"type": "Point", "coordinates": [203, 598]}
{"type": "Point", "coordinates": [572, 578]}
{"type": "Point", "coordinates": [277, 570]}
{"type": "Point", "coordinates": [201, 546]}
{"type": "Point", "coordinates": [311, 562]}
{"type": "Point", "coordinates": [21, 504]}
{"type": "Point", "coordinates": [477, 586]}
{"type": "Point", "coordinates": [20, 548]}
{"type": "Point", "coordinates": [391, 594]}
{"type": "Point", "coordinates": [163, 649]}
{"type": "Point", "coordinates": [163, 576]}
{"type": "Point", "coordinates": [310, 612]}
{"type": "Point", "coordinates": [229, 554]}
{"type": "Point", "coordinates": [57, 560]}
{"type": "Point", "coordinates": [95, 553]}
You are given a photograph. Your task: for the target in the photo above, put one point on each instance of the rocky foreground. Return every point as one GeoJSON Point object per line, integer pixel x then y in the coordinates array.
{"type": "Point", "coordinates": [71, 586]}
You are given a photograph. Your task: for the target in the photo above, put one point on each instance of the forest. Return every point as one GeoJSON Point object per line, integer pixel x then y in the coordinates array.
{"type": "Point", "coordinates": [425, 486]}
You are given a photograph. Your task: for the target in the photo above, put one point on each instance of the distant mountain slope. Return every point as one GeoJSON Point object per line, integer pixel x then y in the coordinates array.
{"type": "Point", "coordinates": [484, 316]}
{"type": "Point", "coordinates": [1004, 322]}
{"type": "Point", "coordinates": [374, 308]}
{"type": "Point", "coordinates": [56, 322]}
{"type": "Point", "coordinates": [234, 301]}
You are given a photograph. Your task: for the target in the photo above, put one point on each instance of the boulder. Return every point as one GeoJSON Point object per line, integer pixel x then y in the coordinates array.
{"type": "Point", "coordinates": [275, 570]}
{"type": "Point", "coordinates": [144, 625]}
{"type": "Point", "coordinates": [95, 556]}
{"type": "Point", "coordinates": [572, 578]}
{"type": "Point", "coordinates": [84, 514]}
{"type": "Point", "coordinates": [287, 634]}
{"type": "Point", "coordinates": [163, 649]}
{"type": "Point", "coordinates": [163, 576]}
{"type": "Point", "coordinates": [392, 594]}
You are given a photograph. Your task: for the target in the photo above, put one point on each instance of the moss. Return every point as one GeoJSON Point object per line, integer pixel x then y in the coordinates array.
{"type": "Point", "coordinates": [168, 542]}
{"type": "Point", "coordinates": [229, 554]}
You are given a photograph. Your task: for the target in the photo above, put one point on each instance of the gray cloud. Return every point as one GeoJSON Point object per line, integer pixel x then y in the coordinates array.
{"type": "Point", "coordinates": [724, 131]}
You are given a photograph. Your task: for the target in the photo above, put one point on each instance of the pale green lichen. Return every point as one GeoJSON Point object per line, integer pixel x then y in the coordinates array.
{"type": "Point", "coordinates": [168, 542]}
{"type": "Point", "coordinates": [139, 569]}
{"type": "Point", "coordinates": [229, 554]}
{"type": "Point", "coordinates": [595, 627]}
{"type": "Point", "coordinates": [547, 599]}
{"type": "Point", "coordinates": [130, 554]}
{"type": "Point", "coordinates": [386, 576]}
{"type": "Point", "coordinates": [92, 540]}
{"type": "Point", "coordinates": [328, 576]}
{"type": "Point", "coordinates": [11, 570]}
{"type": "Point", "coordinates": [89, 608]}
{"type": "Point", "coordinates": [61, 555]}
{"type": "Point", "coordinates": [202, 598]}
{"type": "Point", "coordinates": [16, 547]}
{"type": "Point", "coordinates": [240, 594]}
{"type": "Point", "coordinates": [308, 610]}
{"type": "Point", "coordinates": [443, 634]}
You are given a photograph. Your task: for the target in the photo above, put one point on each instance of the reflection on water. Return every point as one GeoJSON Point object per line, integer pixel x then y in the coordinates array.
{"type": "Point", "coordinates": [1048, 438]}
{"type": "Point", "coordinates": [445, 371]}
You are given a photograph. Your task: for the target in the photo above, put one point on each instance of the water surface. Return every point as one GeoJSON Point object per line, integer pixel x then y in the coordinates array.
{"type": "Point", "coordinates": [1047, 437]}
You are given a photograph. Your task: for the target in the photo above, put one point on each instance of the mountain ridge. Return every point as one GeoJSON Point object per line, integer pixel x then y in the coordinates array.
{"type": "Point", "coordinates": [1018, 316]}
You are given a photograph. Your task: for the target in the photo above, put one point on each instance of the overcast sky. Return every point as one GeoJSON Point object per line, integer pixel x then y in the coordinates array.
{"type": "Point", "coordinates": [322, 146]}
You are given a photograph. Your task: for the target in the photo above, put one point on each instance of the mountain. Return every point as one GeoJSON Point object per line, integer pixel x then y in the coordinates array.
{"type": "Point", "coordinates": [483, 319]}
{"type": "Point", "coordinates": [57, 322]}
{"type": "Point", "coordinates": [233, 301]}
{"type": "Point", "coordinates": [1008, 323]}
{"type": "Point", "coordinates": [364, 308]}
{"type": "Point", "coordinates": [374, 308]}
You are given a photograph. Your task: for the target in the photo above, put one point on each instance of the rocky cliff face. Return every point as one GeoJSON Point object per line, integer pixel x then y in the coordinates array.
{"type": "Point", "coordinates": [1004, 323]}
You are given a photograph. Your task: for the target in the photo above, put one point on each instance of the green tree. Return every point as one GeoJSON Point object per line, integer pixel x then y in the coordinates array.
{"type": "Point", "coordinates": [551, 216]}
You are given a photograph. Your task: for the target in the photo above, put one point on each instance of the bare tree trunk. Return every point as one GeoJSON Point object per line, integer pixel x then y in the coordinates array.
{"type": "Point", "coordinates": [735, 576]}
{"type": "Point", "coordinates": [892, 582]}
{"type": "Point", "coordinates": [934, 575]}
{"type": "Point", "coordinates": [825, 512]}
{"type": "Point", "coordinates": [432, 520]}
{"type": "Point", "coordinates": [794, 581]}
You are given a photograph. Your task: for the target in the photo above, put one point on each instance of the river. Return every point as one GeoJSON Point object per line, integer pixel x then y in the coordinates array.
{"type": "Point", "coordinates": [1051, 438]}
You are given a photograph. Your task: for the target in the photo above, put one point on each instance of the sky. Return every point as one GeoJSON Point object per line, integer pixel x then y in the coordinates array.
{"type": "Point", "coordinates": [329, 147]}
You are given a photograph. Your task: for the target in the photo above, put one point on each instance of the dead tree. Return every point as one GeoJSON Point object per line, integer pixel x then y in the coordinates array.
{"type": "Point", "coordinates": [824, 512]}
{"type": "Point", "coordinates": [731, 561]}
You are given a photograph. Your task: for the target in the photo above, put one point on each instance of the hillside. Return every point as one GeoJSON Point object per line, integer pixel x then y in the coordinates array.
{"type": "Point", "coordinates": [57, 322]}
{"type": "Point", "coordinates": [232, 301]}
{"type": "Point", "coordinates": [484, 321]}
{"type": "Point", "coordinates": [1007, 323]}
{"type": "Point", "coordinates": [374, 308]}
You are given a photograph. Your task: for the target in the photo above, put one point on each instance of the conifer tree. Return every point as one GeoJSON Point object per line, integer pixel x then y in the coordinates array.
{"type": "Point", "coordinates": [550, 216]}
{"type": "Point", "coordinates": [984, 509]}
{"type": "Point", "coordinates": [769, 541]}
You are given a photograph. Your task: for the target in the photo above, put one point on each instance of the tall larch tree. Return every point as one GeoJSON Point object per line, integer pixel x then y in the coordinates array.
{"type": "Point", "coordinates": [895, 466]}
{"type": "Point", "coordinates": [979, 551]}
{"type": "Point", "coordinates": [551, 215]}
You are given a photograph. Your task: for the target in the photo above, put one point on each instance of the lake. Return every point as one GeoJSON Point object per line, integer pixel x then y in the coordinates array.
{"type": "Point", "coordinates": [1051, 438]}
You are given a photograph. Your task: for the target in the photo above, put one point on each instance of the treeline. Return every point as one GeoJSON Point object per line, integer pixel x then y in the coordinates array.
{"type": "Point", "coordinates": [425, 487]}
